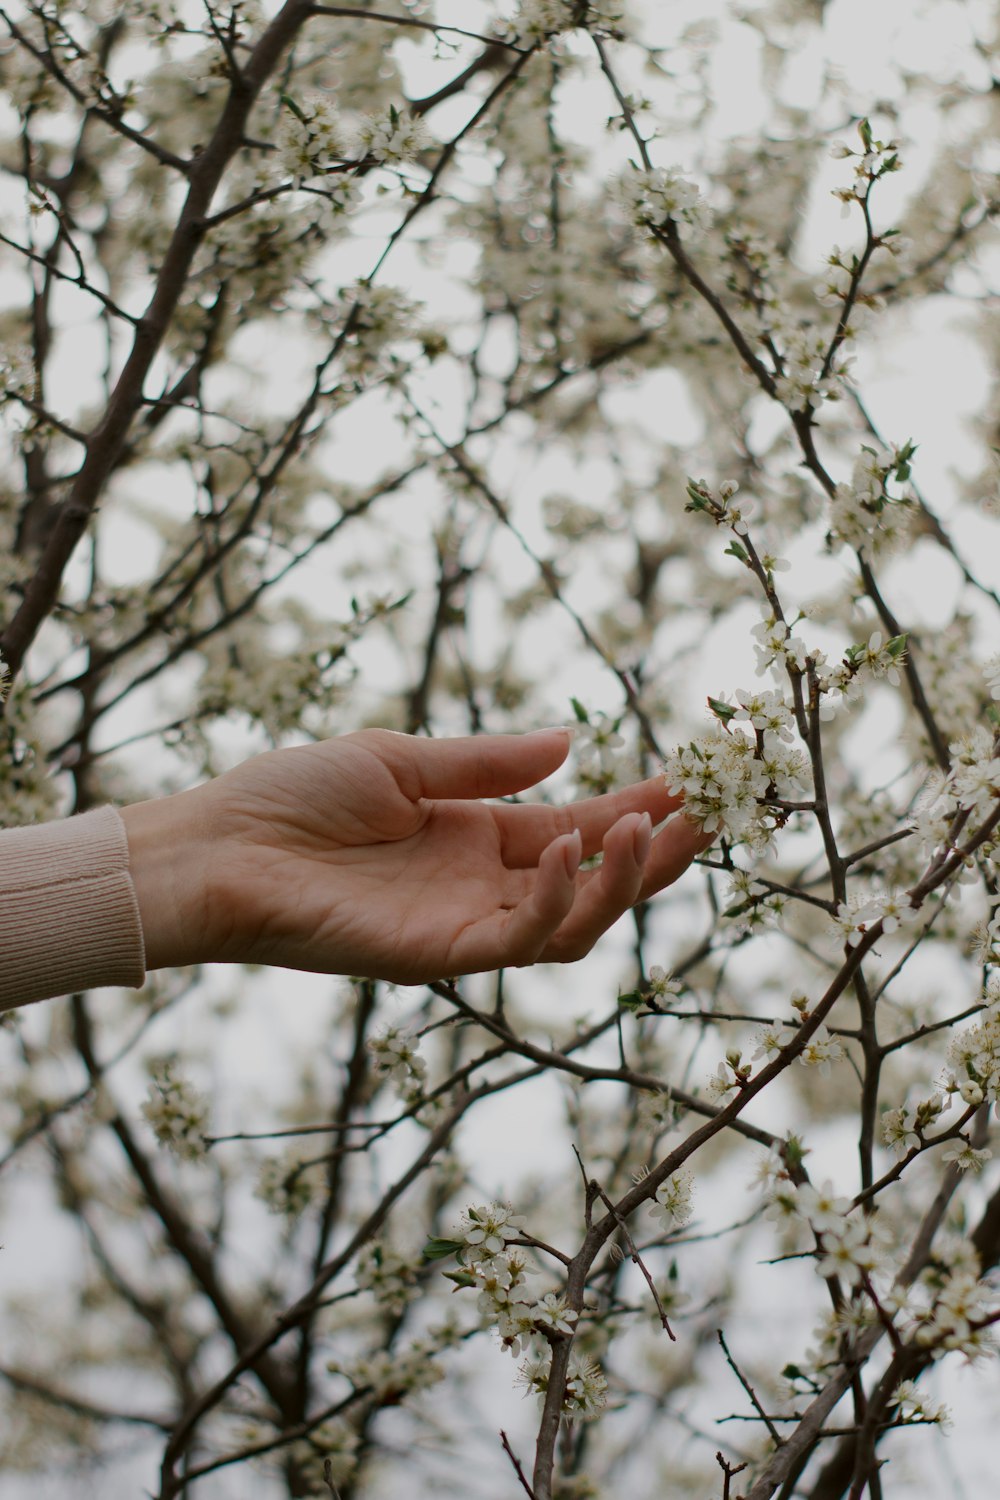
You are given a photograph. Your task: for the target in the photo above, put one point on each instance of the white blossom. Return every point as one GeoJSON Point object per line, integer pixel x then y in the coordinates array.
{"type": "Point", "coordinates": [388, 1275]}
{"type": "Point", "coordinates": [312, 139]}
{"type": "Point", "coordinates": [899, 1132]}
{"type": "Point", "coordinates": [821, 1051]}
{"type": "Point", "coordinates": [847, 1250]}
{"type": "Point", "coordinates": [538, 20]}
{"type": "Point", "coordinates": [176, 1110]}
{"type": "Point", "coordinates": [672, 1205]}
{"type": "Point", "coordinates": [393, 137]}
{"type": "Point", "coordinates": [288, 1184]}
{"type": "Point", "coordinates": [966, 1157]}
{"type": "Point", "coordinates": [653, 197]}
{"type": "Point", "coordinates": [486, 1230]}
{"type": "Point", "coordinates": [395, 1055]}
{"type": "Point", "coordinates": [823, 1209]}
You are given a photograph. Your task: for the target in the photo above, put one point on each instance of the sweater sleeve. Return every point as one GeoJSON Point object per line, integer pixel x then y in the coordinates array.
{"type": "Point", "coordinates": [69, 918]}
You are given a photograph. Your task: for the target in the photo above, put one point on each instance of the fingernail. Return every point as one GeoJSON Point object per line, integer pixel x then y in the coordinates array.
{"type": "Point", "coordinates": [642, 839]}
{"type": "Point", "coordinates": [572, 853]}
{"type": "Point", "coordinates": [569, 730]}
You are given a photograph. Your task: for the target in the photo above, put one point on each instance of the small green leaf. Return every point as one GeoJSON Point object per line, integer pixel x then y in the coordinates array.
{"type": "Point", "coordinates": [581, 713]}
{"type": "Point", "coordinates": [436, 1249]}
{"type": "Point", "coordinates": [735, 550]}
{"type": "Point", "coordinates": [699, 495]}
{"type": "Point", "coordinates": [721, 710]}
{"type": "Point", "coordinates": [460, 1278]}
{"type": "Point", "coordinates": [290, 103]}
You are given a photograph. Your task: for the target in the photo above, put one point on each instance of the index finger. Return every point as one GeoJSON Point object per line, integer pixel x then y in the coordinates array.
{"type": "Point", "coordinates": [526, 830]}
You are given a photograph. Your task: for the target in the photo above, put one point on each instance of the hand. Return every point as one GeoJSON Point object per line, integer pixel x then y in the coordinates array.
{"type": "Point", "coordinates": [369, 854]}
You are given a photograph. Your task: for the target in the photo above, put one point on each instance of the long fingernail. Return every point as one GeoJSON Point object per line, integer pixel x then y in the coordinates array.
{"type": "Point", "coordinates": [569, 730]}
{"type": "Point", "coordinates": [642, 839]}
{"type": "Point", "coordinates": [573, 853]}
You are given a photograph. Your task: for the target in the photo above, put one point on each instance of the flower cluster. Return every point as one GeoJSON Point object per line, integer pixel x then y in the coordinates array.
{"type": "Point", "coordinates": [597, 743]}
{"type": "Point", "coordinates": [672, 1205]}
{"type": "Point", "coordinates": [821, 1050]}
{"type": "Point", "coordinates": [863, 514]}
{"type": "Point", "coordinates": [653, 197]}
{"type": "Point", "coordinates": [486, 1228]}
{"type": "Point", "coordinates": [876, 159]}
{"type": "Point", "coordinates": [393, 137]}
{"type": "Point", "coordinates": [395, 1053]}
{"type": "Point", "coordinates": [728, 779]}
{"type": "Point", "coordinates": [952, 1309]}
{"type": "Point", "coordinates": [538, 20]}
{"type": "Point", "coordinates": [311, 139]}
{"type": "Point", "coordinates": [972, 785]}
{"type": "Point", "coordinates": [393, 1374]}
{"type": "Point", "coordinates": [18, 376]}
{"type": "Point", "coordinates": [586, 1388]}
{"type": "Point", "coordinates": [176, 1110]}
{"type": "Point", "coordinates": [974, 1056]}
{"type": "Point", "coordinates": [657, 1111]}
{"type": "Point", "coordinates": [975, 775]}
{"type": "Point", "coordinates": [847, 1247]}
{"type": "Point", "coordinates": [856, 917]}
{"type": "Point", "coordinates": [377, 319]}
{"type": "Point", "coordinates": [808, 374]}
{"type": "Point", "coordinates": [775, 643]}
{"type": "Point", "coordinates": [287, 1184]}
{"type": "Point", "coordinates": [916, 1406]}
{"type": "Point", "coordinates": [389, 1276]}
{"type": "Point", "coordinates": [903, 1129]}
{"type": "Point", "coordinates": [499, 1271]}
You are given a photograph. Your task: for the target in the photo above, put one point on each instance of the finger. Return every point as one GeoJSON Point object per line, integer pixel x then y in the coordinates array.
{"type": "Point", "coordinates": [525, 831]}
{"type": "Point", "coordinates": [673, 849]}
{"type": "Point", "coordinates": [516, 937]}
{"type": "Point", "coordinates": [484, 765]}
{"type": "Point", "coordinates": [609, 891]}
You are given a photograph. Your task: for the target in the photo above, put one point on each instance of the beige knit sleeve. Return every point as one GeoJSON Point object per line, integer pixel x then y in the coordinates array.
{"type": "Point", "coordinates": [69, 918]}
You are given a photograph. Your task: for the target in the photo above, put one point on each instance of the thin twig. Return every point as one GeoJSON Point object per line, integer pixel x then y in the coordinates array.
{"type": "Point", "coordinates": [744, 1382]}
{"type": "Point", "coordinates": [517, 1466]}
{"type": "Point", "coordinates": [636, 1257]}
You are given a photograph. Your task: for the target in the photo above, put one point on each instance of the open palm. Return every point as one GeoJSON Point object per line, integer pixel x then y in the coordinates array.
{"type": "Point", "coordinates": [369, 854]}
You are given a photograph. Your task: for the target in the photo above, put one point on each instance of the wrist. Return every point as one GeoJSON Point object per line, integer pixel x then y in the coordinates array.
{"type": "Point", "coordinates": [171, 861]}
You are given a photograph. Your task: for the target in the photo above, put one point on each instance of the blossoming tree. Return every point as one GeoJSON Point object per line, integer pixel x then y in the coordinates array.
{"type": "Point", "coordinates": [343, 350]}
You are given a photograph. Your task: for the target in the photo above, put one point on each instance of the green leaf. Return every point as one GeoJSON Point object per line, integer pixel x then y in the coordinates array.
{"type": "Point", "coordinates": [290, 103]}
{"type": "Point", "coordinates": [440, 1249]}
{"type": "Point", "coordinates": [721, 710]}
{"type": "Point", "coordinates": [582, 716]}
{"type": "Point", "coordinates": [460, 1278]}
{"type": "Point", "coordinates": [897, 646]}
{"type": "Point", "coordinates": [699, 495]}
{"type": "Point", "coordinates": [735, 550]}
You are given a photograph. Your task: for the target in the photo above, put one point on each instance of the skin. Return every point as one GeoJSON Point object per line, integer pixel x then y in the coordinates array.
{"type": "Point", "coordinates": [373, 854]}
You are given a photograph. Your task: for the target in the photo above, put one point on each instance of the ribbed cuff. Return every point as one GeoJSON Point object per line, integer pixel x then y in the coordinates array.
{"type": "Point", "coordinates": [69, 918]}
